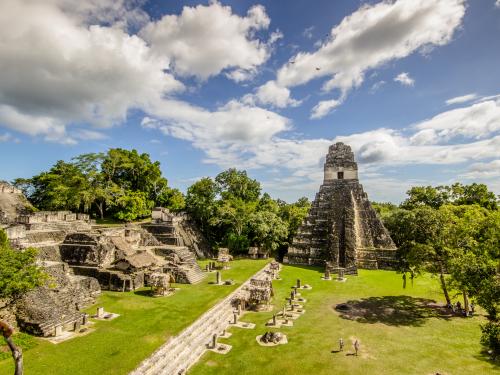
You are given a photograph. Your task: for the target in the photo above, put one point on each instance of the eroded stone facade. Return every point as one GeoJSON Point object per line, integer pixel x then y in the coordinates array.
{"type": "Point", "coordinates": [342, 230]}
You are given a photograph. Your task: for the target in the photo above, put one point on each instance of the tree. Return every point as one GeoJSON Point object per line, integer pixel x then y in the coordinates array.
{"type": "Point", "coordinates": [294, 214]}
{"type": "Point", "coordinates": [429, 196]}
{"type": "Point", "coordinates": [456, 194]}
{"type": "Point", "coordinates": [420, 237]}
{"type": "Point", "coordinates": [235, 214]}
{"type": "Point", "coordinates": [384, 209]}
{"type": "Point", "coordinates": [132, 205]}
{"type": "Point", "coordinates": [172, 199]}
{"type": "Point", "coordinates": [270, 231]}
{"type": "Point", "coordinates": [236, 184]}
{"type": "Point", "coordinates": [18, 274]}
{"type": "Point", "coordinates": [474, 194]}
{"type": "Point", "coordinates": [100, 183]}
{"type": "Point", "coordinates": [200, 203]}
{"type": "Point", "coordinates": [59, 188]}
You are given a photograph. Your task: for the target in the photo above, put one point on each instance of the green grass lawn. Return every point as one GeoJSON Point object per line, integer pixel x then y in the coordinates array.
{"type": "Point", "coordinates": [398, 335]}
{"type": "Point", "coordinates": [118, 346]}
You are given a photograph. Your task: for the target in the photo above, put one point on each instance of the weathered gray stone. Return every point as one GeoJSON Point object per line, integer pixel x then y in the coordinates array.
{"type": "Point", "coordinates": [342, 229]}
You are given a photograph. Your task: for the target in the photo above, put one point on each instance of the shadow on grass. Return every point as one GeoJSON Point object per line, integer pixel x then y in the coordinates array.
{"type": "Point", "coordinates": [484, 356]}
{"type": "Point", "coordinates": [318, 269]}
{"type": "Point", "coordinates": [392, 310]}
{"type": "Point", "coordinates": [143, 292]}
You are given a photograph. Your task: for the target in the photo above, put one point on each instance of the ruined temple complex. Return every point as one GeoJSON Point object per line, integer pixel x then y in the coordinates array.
{"type": "Point", "coordinates": [82, 259]}
{"type": "Point", "coordinates": [342, 231]}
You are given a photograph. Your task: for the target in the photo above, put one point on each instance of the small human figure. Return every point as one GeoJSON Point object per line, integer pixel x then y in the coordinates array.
{"type": "Point", "coordinates": [356, 346]}
{"type": "Point", "coordinates": [341, 344]}
{"type": "Point", "coordinates": [404, 280]}
{"type": "Point", "coordinates": [459, 307]}
{"type": "Point", "coordinates": [472, 309]}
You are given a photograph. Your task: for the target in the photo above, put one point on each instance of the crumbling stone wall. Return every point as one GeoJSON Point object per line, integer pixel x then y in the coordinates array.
{"type": "Point", "coordinates": [179, 230]}
{"type": "Point", "coordinates": [60, 300]}
{"type": "Point", "coordinates": [12, 203]}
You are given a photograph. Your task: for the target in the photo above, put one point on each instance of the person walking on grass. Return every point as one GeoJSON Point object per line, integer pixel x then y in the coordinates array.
{"type": "Point", "coordinates": [356, 346]}
{"type": "Point", "coordinates": [341, 344]}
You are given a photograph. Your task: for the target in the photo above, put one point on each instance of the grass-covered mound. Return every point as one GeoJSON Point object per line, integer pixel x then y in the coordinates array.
{"type": "Point", "coordinates": [118, 346]}
{"type": "Point", "coordinates": [401, 331]}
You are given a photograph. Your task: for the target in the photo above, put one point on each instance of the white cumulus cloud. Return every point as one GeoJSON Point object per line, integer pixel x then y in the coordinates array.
{"type": "Point", "coordinates": [479, 120]}
{"type": "Point", "coordinates": [483, 170]}
{"type": "Point", "coordinates": [405, 79]}
{"type": "Point", "coordinates": [56, 70]}
{"type": "Point", "coordinates": [272, 94]}
{"type": "Point", "coordinates": [204, 40]}
{"type": "Point", "coordinates": [461, 99]}
{"type": "Point", "coordinates": [371, 36]}
{"type": "Point", "coordinates": [324, 107]}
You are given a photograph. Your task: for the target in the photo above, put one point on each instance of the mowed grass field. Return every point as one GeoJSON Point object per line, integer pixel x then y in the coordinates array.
{"type": "Point", "coordinates": [400, 331]}
{"type": "Point", "coordinates": [118, 346]}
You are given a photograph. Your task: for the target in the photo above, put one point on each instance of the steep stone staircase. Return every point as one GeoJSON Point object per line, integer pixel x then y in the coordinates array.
{"type": "Point", "coordinates": [185, 269]}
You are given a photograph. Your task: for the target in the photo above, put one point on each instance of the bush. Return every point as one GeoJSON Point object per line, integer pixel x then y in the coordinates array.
{"type": "Point", "coordinates": [491, 337]}
{"type": "Point", "coordinates": [237, 244]}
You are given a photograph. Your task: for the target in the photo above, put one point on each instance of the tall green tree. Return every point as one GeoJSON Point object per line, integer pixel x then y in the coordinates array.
{"type": "Point", "coordinates": [421, 240]}
{"type": "Point", "coordinates": [236, 184]}
{"type": "Point", "coordinates": [114, 183]}
{"type": "Point", "coordinates": [18, 274]}
{"type": "Point", "coordinates": [201, 203]}
{"type": "Point", "coordinates": [456, 194]}
{"type": "Point", "coordinates": [270, 231]}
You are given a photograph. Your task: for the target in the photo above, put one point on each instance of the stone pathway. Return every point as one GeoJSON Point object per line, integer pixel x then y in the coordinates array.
{"type": "Point", "coordinates": [180, 352]}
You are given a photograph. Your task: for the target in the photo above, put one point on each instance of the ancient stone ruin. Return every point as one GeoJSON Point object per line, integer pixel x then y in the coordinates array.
{"type": "Point", "coordinates": [82, 258]}
{"type": "Point", "coordinates": [342, 230]}
{"type": "Point", "coordinates": [223, 258]}
{"type": "Point", "coordinates": [257, 253]}
{"type": "Point", "coordinates": [12, 203]}
{"type": "Point", "coordinates": [261, 292]}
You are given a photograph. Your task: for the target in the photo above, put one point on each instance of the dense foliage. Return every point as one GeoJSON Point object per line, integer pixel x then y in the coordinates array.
{"type": "Point", "coordinates": [232, 212]}
{"type": "Point", "coordinates": [18, 270]}
{"type": "Point", "coordinates": [454, 233]}
{"type": "Point", "coordinates": [120, 183]}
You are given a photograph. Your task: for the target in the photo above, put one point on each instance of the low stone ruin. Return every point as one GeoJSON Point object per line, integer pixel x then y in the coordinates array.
{"type": "Point", "coordinates": [272, 339]}
{"type": "Point", "coordinates": [160, 284]}
{"type": "Point", "coordinates": [12, 203]}
{"type": "Point", "coordinates": [57, 306]}
{"type": "Point", "coordinates": [257, 253]}
{"type": "Point", "coordinates": [223, 258]}
{"type": "Point", "coordinates": [261, 293]}
{"type": "Point", "coordinates": [177, 230]}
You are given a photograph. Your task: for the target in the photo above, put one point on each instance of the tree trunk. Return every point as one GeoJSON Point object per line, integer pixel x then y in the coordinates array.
{"type": "Point", "coordinates": [17, 353]}
{"type": "Point", "coordinates": [466, 303]}
{"type": "Point", "coordinates": [443, 286]}
{"type": "Point", "coordinates": [101, 209]}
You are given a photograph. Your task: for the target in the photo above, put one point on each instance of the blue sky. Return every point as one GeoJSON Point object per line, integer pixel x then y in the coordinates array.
{"type": "Point", "coordinates": [413, 86]}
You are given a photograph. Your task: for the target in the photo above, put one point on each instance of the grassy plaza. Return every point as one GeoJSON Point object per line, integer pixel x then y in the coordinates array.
{"type": "Point", "coordinates": [400, 331]}
{"type": "Point", "coordinates": [118, 346]}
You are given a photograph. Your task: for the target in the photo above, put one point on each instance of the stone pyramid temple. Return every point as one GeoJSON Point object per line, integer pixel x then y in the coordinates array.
{"type": "Point", "coordinates": [342, 230]}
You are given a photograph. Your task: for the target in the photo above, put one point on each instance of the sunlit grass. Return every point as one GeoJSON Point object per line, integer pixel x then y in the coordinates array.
{"type": "Point", "coordinates": [118, 346]}
{"type": "Point", "coordinates": [415, 340]}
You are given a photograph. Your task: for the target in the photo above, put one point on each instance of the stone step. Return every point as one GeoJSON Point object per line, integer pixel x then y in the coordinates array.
{"type": "Point", "coordinates": [182, 351]}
